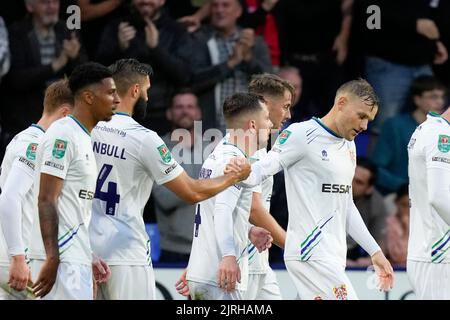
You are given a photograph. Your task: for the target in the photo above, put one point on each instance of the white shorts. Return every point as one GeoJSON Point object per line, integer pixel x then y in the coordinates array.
{"type": "Point", "coordinates": [128, 283]}
{"type": "Point", "coordinates": [263, 287]}
{"type": "Point", "coordinates": [203, 291]}
{"type": "Point", "coordinates": [319, 280]}
{"type": "Point", "coordinates": [73, 281]}
{"type": "Point", "coordinates": [430, 281]}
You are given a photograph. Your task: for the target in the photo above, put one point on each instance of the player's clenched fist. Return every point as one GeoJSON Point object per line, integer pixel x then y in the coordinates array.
{"type": "Point", "coordinates": [239, 167]}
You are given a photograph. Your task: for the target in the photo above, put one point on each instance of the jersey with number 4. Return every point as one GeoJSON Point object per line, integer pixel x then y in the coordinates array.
{"type": "Point", "coordinates": [205, 253]}
{"type": "Point", "coordinates": [130, 158]}
{"type": "Point", "coordinates": [429, 147]}
{"type": "Point", "coordinates": [21, 153]}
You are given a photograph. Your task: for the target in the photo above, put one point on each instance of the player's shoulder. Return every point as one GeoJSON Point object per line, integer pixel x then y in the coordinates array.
{"type": "Point", "coordinates": [63, 127]}
{"type": "Point", "coordinates": [433, 126]}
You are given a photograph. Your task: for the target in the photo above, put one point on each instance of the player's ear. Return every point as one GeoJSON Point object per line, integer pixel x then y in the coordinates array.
{"type": "Point", "coordinates": [88, 96]}
{"type": "Point", "coordinates": [369, 191]}
{"type": "Point", "coordinates": [66, 110]}
{"type": "Point", "coordinates": [135, 90]}
{"type": "Point", "coordinates": [341, 101]}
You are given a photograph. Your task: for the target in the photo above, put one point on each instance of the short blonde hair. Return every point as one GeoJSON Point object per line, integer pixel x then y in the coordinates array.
{"type": "Point", "coordinates": [57, 94]}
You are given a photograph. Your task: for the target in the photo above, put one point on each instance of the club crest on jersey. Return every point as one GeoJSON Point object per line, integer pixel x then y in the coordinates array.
{"type": "Point", "coordinates": [59, 148]}
{"type": "Point", "coordinates": [31, 151]}
{"type": "Point", "coordinates": [282, 138]}
{"type": "Point", "coordinates": [444, 143]}
{"type": "Point", "coordinates": [340, 292]}
{"type": "Point", "coordinates": [165, 154]}
{"type": "Point", "coordinates": [325, 156]}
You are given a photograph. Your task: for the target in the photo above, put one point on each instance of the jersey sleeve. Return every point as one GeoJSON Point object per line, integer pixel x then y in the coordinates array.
{"type": "Point", "coordinates": [58, 150]}
{"type": "Point", "coordinates": [437, 150]}
{"type": "Point", "coordinates": [25, 159]}
{"type": "Point", "coordinates": [158, 160]}
{"type": "Point", "coordinates": [291, 145]}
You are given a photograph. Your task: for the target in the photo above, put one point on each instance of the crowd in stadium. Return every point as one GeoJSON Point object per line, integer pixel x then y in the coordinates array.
{"type": "Point", "coordinates": [203, 51]}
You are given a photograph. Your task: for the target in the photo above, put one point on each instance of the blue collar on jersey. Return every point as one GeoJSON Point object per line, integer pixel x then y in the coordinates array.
{"type": "Point", "coordinates": [80, 124]}
{"type": "Point", "coordinates": [122, 114]}
{"type": "Point", "coordinates": [38, 126]}
{"type": "Point", "coordinates": [231, 144]}
{"type": "Point", "coordinates": [326, 128]}
{"type": "Point", "coordinates": [437, 115]}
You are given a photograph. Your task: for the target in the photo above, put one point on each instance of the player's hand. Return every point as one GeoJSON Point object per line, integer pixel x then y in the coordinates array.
{"type": "Point", "coordinates": [19, 273]}
{"type": "Point", "coordinates": [125, 34]}
{"type": "Point", "coordinates": [239, 167]}
{"type": "Point", "coordinates": [100, 269]}
{"type": "Point", "coordinates": [46, 278]}
{"type": "Point", "coordinates": [384, 271]}
{"type": "Point", "coordinates": [228, 274]}
{"type": "Point", "coordinates": [151, 34]}
{"type": "Point", "coordinates": [182, 285]}
{"type": "Point", "coordinates": [192, 23]}
{"type": "Point", "coordinates": [260, 237]}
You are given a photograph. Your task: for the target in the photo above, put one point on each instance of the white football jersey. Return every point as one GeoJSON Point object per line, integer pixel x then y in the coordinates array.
{"type": "Point", "coordinates": [429, 235]}
{"type": "Point", "coordinates": [205, 253]}
{"type": "Point", "coordinates": [319, 167]}
{"type": "Point", "coordinates": [258, 263]}
{"type": "Point", "coordinates": [21, 153]}
{"type": "Point", "coordinates": [130, 158]}
{"type": "Point", "coordinates": [66, 152]}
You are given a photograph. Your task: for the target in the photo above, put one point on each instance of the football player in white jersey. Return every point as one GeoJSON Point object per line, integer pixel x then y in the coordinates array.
{"type": "Point", "coordinates": [428, 264]}
{"type": "Point", "coordinates": [218, 264]}
{"type": "Point", "coordinates": [279, 95]}
{"type": "Point", "coordinates": [18, 199]}
{"type": "Point", "coordinates": [130, 159]}
{"type": "Point", "coordinates": [319, 159]}
{"type": "Point", "coordinates": [68, 174]}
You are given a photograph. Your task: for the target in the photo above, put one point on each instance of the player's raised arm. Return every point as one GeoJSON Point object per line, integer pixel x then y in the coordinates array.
{"type": "Point", "coordinates": [49, 191]}
{"type": "Point", "coordinates": [197, 190]}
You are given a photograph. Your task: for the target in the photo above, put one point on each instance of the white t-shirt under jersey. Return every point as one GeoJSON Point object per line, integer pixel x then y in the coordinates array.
{"type": "Point", "coordinates": [130, 158]}
{"type": "Point", "coordinates": [66, 153]}
{"type": "Point", "coordinates": [429, 147]}
{"type": "Point", "coordinates": [258, 263]}
{"type": "Point", "coordinates": [205, 253]}
{"type": "Point", "coordinates": [319, 167]}
{"type": "Point", "coordinates": [21, 153]}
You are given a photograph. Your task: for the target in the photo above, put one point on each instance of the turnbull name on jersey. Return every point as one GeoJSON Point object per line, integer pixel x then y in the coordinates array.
{"type": "Point", "coordinates": [109, 150]}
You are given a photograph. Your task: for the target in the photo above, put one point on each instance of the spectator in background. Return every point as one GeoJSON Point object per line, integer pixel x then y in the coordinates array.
{"type": "Point", "coordinates": [405, 47]}
{"type": "Point", "coordinates": [149, 35]}
{"type": "Point", "coordinates": [174, 216]}
{"type": "Point", "coordinates": [292, 74]}
{"type": "Point", "coordinates": [314, 38]}
{"type": "Point", "coordinates": [390, 154]}
{"type": "Point", "coordinates": [371, 205]}
{"type": "Point", "coordinates": [43, 50]}
{"type": "Point", "coordinates": [397, 229]}
{"type": "Point", "coordinates": [226, 57]}
{"type": "Point", "coordinates": [95, 15]}
{"type": "Point", "coordinates": [441, 14]}
{"type": "Point", "coordinates": [256, 14]}
{"type": "Point", "coordinates": [4, 50]}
